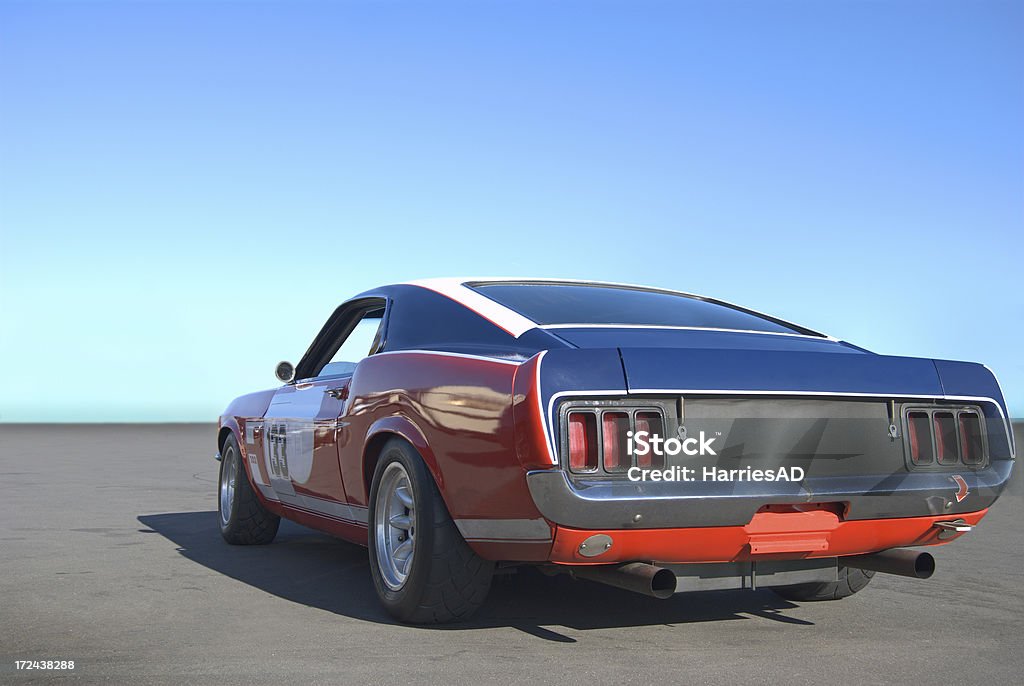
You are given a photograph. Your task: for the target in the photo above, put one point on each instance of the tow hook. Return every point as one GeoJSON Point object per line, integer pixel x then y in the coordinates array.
{"type": "Point", "coordinates": [951, 529]}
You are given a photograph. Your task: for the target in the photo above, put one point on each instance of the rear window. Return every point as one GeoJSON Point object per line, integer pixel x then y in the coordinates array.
{"type": "Point", "coordinates": [550, 303]}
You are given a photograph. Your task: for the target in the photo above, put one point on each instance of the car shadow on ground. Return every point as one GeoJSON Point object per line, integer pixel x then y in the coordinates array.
{"type": "Point", "coordinates": [307, 567]}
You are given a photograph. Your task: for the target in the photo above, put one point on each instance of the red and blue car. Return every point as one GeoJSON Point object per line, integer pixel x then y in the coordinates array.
{"type": "Point", "coordinates": [649, 439]}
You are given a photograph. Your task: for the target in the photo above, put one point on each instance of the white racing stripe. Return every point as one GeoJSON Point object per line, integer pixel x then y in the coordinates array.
{"type": "Point", "coordinates": [499, 315]}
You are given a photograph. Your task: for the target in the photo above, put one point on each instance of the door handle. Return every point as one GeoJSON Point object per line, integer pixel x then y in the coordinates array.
{"type": "Point", "coordinates": [339, 393]}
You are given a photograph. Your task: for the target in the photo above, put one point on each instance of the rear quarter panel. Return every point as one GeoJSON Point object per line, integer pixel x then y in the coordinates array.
{"type": "Point", "coordinates": [462, 408]}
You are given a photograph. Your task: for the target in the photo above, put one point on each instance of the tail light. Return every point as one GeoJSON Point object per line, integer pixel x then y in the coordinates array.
{"type": "Point", "coordinates": [614, 427]}
{"type": "Point", "coordinates": [944, 425]}
{"type": "Point", "coordinates": [598, 437]}
{"type": "Point", "coordinates": [652, 423]}
{"type": "Point", "coordinates": [945, 436]}
{"type": "Point", "coordinates": [920, 438]}
{"type": "Point", "coordinates": [582, 441]}
{"type": "Point", "coordinates": [971, 447]}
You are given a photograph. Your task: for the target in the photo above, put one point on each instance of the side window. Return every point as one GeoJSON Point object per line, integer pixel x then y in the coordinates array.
{"type": "Point", "coordinates": [360, 342]}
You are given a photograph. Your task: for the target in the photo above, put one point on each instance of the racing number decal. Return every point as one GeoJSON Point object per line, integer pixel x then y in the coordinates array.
{"type": "Point", "coordinates": [277, 438]}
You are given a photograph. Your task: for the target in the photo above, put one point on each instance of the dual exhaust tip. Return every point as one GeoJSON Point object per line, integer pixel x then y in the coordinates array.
{"type": "Point", "coordinates": [658, 582]}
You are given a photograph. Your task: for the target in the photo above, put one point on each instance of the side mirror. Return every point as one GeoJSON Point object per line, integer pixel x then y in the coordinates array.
{"type": "Point", "coordinates": [284, 372]}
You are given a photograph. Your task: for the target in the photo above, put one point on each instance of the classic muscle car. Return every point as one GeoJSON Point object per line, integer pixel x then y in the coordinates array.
{"type": "Point", "coordinates": [649, 439]}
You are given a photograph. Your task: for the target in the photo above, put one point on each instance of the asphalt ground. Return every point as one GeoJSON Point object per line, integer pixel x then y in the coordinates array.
{"type": "Point", "coordinates": [110, 556]}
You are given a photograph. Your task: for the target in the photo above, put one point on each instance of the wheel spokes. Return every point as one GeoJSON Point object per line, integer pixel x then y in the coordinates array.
{"type": "Point", "coordinates": [403, 494]}
{"type": "Point", "coordinates": [227, 486]}
{"type": "Point", "coordinates": [395, 525]}
{"type": "Point", "coordinates": [403, 522]}
{"type": "Point", "coordinates": [403, 553]}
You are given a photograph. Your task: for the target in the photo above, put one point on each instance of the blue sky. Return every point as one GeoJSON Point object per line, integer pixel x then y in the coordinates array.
{"type": "Point", "coordinates": [188, 189]}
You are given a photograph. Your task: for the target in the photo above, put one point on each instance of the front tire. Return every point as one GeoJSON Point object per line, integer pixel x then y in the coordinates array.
{"type": "Point", "coordinates": [422, 568]}
{"type": "Point", "coordinates": [850, 581]}
{"type": "Point", "coordinates": [243, 519]}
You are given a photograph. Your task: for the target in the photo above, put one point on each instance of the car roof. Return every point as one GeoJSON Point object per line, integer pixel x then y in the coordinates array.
{"type": "Point", "coordinates": [460, 289]}
{"type": "Point", "coordinates": [436, 283]}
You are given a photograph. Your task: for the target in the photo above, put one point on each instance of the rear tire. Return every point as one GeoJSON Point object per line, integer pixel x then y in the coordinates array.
{"type": "Point", "coordinates": [243, 519]}
{"type": "Point", "coordinates": [423, 570]}
{"type": "Point", "coordinates": [850, 581]}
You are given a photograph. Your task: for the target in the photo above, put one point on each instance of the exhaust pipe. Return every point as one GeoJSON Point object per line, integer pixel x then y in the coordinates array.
{"type": "Point", "coordinates": [638, 577]}
{"type": "Point", "coordinates": [898, 561]}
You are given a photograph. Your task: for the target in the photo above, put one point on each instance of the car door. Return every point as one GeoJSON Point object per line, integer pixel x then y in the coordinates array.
{"type": "Point", "coordinates": [301, 424]}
